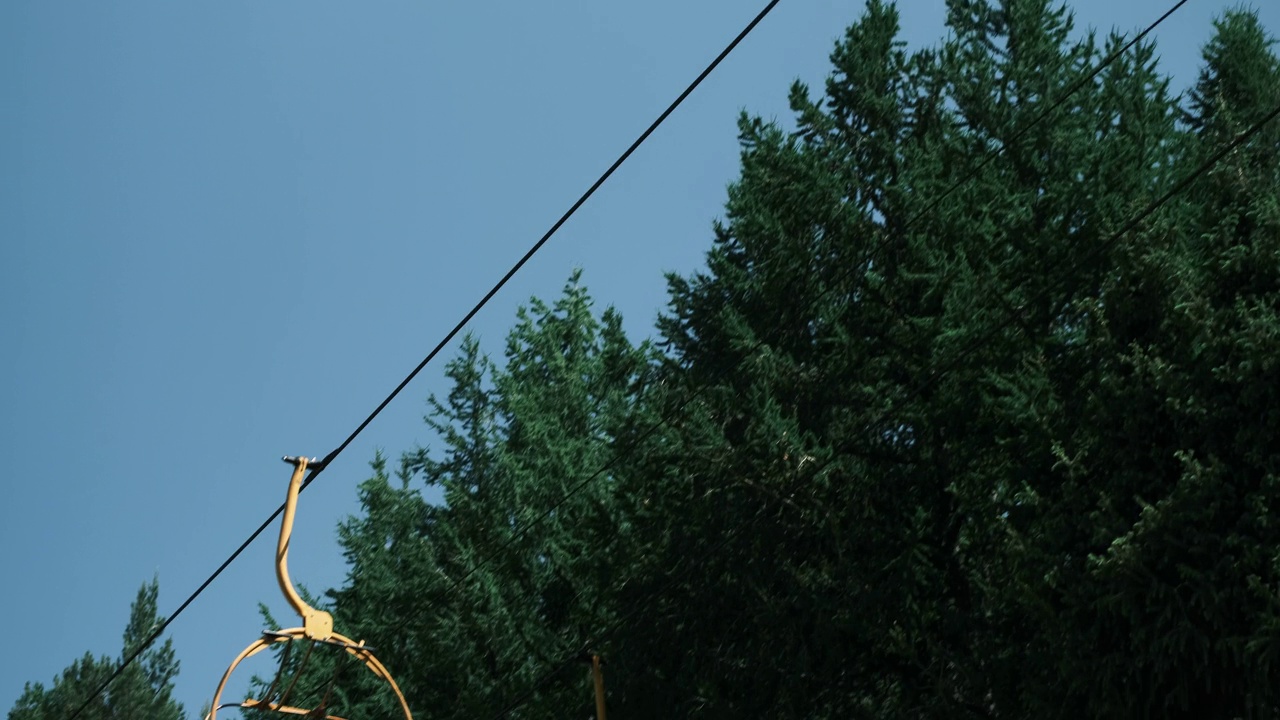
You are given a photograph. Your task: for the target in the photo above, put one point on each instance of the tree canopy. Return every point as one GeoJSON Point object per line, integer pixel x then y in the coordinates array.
{"type": "Point", "coordinates": [969, 414]}
{"type": "Point", "coordinates": [143, 690]}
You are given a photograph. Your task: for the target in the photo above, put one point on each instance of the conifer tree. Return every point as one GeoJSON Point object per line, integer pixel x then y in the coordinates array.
{"type": "Point", "coordinates": [143, 690]}
{"type": "Point", "coordinates": [469, 602]}
{"type": "Point", "coordinates": [922, 409]}
{"type": "Point", "coordinates": [936, 441]}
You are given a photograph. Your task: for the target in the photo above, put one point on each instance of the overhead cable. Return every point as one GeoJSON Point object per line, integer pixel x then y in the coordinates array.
{"type": "Point", "coordinates": [982, 340]}
{"type": "Point", "coordinates": [933, 378]}
{"type": "Point", "coordinates": [664, 420]}
{"type": "Point", "coordinates": [321, 464]}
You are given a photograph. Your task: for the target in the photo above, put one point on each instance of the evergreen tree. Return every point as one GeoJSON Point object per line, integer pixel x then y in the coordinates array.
{"type": "Point", "coordinates": [469, 602]}
{"type": "Point", "coordinates": [938, 442]}
{"type": "Point", "coordinates": [143, 691]}
{"type": "Point", "coordinates": [1176, 607]}
{"type": "Point", "coordinates": [923, 413]}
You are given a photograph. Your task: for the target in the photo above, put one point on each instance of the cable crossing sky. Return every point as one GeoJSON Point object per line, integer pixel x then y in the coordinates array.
{"type": "Point", "coordinates": [321, 464]}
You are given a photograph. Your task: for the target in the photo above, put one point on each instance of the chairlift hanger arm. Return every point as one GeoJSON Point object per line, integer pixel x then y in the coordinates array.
{"type": "Point", "coordinates": [317, 626]}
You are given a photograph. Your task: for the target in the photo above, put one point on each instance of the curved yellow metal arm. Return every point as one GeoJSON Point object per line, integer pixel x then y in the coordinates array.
{"type": "Point", "coordinates": [361, 653]}
{"type": "Point", "coordinates": [317, 624]}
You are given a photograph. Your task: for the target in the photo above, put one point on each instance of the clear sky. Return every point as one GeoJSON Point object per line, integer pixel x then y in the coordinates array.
{"type": "Point", "coordinates": [228, 229]}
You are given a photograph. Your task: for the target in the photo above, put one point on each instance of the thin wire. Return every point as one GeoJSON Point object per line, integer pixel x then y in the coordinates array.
{"type": "Point", "coordinates": [665, 419]}
{"type": "Point", "coordinates": [1040, 117]}
{"type": "Point", "coordinates": [1044, 113]}
{"type": "Point", "coordinates": [319, 467]}
{"type": "Point", "coordinates": [547, 236]}
{"type": "Point", "coordinates": [1053, 107]}
{"type": "Point", "coordinates": [938, 373]}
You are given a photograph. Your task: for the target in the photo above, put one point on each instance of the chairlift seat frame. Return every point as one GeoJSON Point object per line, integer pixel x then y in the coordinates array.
{"type": "Point", "coordinates": [317, 627]}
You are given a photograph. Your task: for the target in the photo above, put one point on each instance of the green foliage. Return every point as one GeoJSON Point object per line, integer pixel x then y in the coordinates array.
{"type": "Point", "coordinates": [468, 603]}
{"type": "Point", "coordinates": [987, 461]}
{"type": "Point", "coordinates": [923, 452]}
{"type": "Point", "coordinates": [143, 690]}
{"type": "Point", "coordinates": [925, 439]}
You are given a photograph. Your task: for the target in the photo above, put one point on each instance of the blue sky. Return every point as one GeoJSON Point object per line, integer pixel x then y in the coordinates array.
{"type": "Point", "coordinates": [228, 229]}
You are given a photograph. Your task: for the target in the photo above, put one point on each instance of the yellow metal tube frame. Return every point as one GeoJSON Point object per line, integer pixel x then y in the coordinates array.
{"type": "Point", "coordinates": [317, 625]}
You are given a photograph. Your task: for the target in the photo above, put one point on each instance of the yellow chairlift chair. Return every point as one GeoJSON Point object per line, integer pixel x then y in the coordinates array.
{"type": "Point", "coordinates": [317, 629]}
